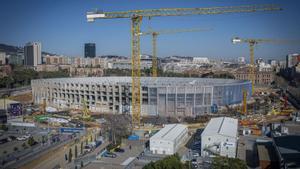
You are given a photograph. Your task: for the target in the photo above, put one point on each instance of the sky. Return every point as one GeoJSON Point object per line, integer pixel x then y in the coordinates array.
{"type": "Point", "coordinates": [62, 28]}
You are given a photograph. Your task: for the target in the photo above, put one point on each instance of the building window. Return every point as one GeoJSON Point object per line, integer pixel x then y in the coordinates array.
{"type": "Point", "coordinates": [208, 138]}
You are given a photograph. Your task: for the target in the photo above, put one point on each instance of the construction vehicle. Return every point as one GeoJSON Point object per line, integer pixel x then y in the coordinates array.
{"type": "Point", "coordinates": [136, 17]}
{"type": "Point", "coordinates": [252, 43]}
{"type": "Point", "coordinates": [154, 46]}
{"type": "Point", "coordinates": [86, 113]}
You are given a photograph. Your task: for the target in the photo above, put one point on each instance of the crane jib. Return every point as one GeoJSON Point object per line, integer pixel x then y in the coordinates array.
{"type": "Point", "coordinates": [183, 11]}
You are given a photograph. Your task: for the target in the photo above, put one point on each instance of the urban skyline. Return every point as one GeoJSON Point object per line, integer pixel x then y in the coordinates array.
{"type": "Point", "coordinates": [61, 33]}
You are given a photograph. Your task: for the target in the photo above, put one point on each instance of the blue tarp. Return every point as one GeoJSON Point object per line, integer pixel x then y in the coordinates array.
{"type": "Point", "coordinates": [133, 137]}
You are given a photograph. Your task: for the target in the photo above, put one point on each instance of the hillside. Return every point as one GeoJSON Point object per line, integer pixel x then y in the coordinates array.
{"type": "Point", "coordinates": [9, 49]}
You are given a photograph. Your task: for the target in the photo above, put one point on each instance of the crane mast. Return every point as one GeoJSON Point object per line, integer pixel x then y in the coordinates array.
{"type": "Point", "coordinates": [154, 55]}
{"type": "Point", "coordinates": [154, 43]}
{"type": "Point", "coordinates": [136, 71]}
{"type": "Point", "coordinates": [136, 19]}
{"type": "Point", "coordinates": [252, 42]}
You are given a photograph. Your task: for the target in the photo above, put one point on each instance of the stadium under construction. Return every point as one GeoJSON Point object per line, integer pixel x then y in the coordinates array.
{"type": "Point", "coordinates": [163, 96]}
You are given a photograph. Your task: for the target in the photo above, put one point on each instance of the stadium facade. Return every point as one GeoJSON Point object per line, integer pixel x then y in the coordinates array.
{"type": "Point", "coordinates": [163, 96]}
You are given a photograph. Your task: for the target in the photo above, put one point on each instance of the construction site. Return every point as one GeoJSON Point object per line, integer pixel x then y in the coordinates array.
{"type": "Point", "coordinates": [150, 118]}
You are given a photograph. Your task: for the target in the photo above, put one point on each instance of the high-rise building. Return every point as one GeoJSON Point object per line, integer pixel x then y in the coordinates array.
{"type": "Point", "coordinates": [241, 60]}
{"type": "Point", "coordinates": [89, 50]}
{"type": "Point", "coordinates": [2, 58]}
{"type": "Point", "coordinates": [33, 54]}
{"type": "Point", "coordinates": [292, 60]}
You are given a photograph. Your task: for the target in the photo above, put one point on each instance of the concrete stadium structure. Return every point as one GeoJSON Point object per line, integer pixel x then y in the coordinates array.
{"type": "Point", "coordinates": [164, 96]}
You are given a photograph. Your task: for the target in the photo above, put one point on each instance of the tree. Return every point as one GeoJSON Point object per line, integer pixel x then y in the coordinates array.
{"type": "Point", "coordinates": [81, 148]}
{"type": "Point", "coordinates": [70, 155]}
{"type": "Point", "coordinates": [170, 162]}
{"type": "Point", "coordinates": [16, 148]}
{"type": "Point", "coordinates": [228, 163]}
{"type": "Point", "coordinates": [24, 145]}
{"type": "Point", "coordinates": [75, 151]}
{"type": "Point", "coordinates": [31, 141]}
{"type": "Point", "coordinates": [43, 139]}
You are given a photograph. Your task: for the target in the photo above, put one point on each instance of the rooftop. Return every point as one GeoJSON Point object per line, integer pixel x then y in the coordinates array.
{"type": "Point", "coordinates": [171, 81]}
{"type": "Point", "coordinates": [169, 132]}
{"type": "Point", "coordinates": [289, 149]}
{"type": "Point", "coordinates": [222, 125]}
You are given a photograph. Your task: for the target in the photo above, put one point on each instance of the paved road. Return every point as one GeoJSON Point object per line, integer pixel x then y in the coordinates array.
{"type": "Point", "coordinates": [55, 157]}
{"type": "Point", "coordinates": [247, 151]}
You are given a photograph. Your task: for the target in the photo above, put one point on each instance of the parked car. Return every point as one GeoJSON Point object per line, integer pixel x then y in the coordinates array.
{"type": "Point", "coordinates": [2, 141]}
{"type": "Point", "coordinates": [27, 136]}
{"type": "Point", "coordinates": [87, 149]}
{"type": "Point", "coordinates": [12, 138]}
{"type": "Point", "coordinates": [110, 155]}
{"type": "Point", "coordinates": [119, 150]}
{"type": "Point", "coordinates": [194, 161]}
{"type": "Point", "coordinates": [195, 154]}
{"type": "Point", "coordinates": [21, 138]}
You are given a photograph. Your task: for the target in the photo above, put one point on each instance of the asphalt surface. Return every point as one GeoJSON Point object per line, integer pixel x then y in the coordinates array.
{"type": "Point", "coordinates": [137, 148]}
{"type": "Point", "coordinates": [247, 151]}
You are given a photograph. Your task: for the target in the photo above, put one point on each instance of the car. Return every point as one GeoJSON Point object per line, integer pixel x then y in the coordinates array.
{"type": "Point", "coordinates": [87, 148]}
{"type": "Point", "coordinates": [21, 138]}
{"type": "Point", "coordinates": [196, 154]}
{"type": "Point", "coordinates": [12, 137]}
{"type": "Point", "coordinates": [110, 155]}
{"type": "Point", "coordinates": [27, 136]}
{"type": "Point", "coordinates": [2, 141]}
{"type": "Point", "coordinates": [119, 150]}
{"type": "Point", "coordinates": [194, 161]}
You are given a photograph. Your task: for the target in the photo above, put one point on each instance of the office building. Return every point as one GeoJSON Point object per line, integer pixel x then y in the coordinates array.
{"type": "Point", "coordinates": [292, 60]}
{"type": "Point", "coordinates": [2, 58]}
{"type": "Point", "coordinates": [33, 54]}
{"type": "Point", "coordinates": [262, 77]}
{"type": "Point", "coordinates": [89, 50]}
{"type": "Point", "coordinates": [16, 59]}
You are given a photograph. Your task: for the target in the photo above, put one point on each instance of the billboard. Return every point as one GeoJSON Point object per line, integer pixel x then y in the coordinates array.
{"type": "Point", "coordinates": [15, 109]}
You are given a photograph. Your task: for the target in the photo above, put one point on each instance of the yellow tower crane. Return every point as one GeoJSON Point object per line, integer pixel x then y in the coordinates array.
{"type": "Point", "coordinates": [154, 40]}
{"type": "Point", "coordinates": [86, 113]}
{"type": "Point", "coordinates": [136, 19]}
{"type": "Point", "coordinates": [244, 106]}
{"type": "Point", "coordinates": [252, 43]}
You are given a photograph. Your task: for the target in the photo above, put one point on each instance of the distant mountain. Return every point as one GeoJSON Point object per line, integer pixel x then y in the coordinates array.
{"type": "Point", "coordinates": [9, 49]}
{"type": "Point", "coordinates": [113, 57]}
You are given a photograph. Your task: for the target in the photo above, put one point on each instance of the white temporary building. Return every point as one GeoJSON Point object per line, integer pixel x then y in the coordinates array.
{"type": "Point", "coordinates": [220, 137]}
{"type": "Point", "coordinates": [168, 139]}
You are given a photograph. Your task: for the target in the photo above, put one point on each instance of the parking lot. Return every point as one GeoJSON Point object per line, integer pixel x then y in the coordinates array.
{"type": "Point", "coordinates": [119, 161]}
